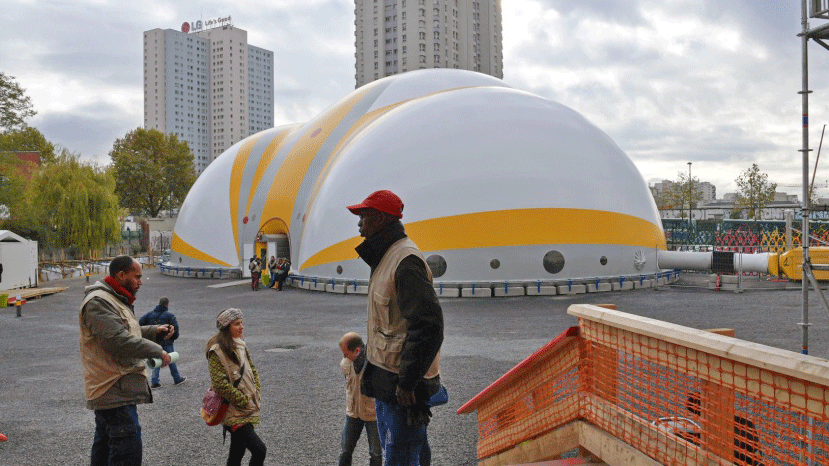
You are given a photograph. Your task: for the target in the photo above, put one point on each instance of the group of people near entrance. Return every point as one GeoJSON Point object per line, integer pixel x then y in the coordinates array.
{"type": "Point", "coordinates": [389, 378]}
{"type": "Point", "coordinates": [277, 271]}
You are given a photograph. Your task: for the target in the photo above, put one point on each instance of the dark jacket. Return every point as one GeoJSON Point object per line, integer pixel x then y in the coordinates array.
{"type": "Point", "coordinates": [160, 316]}
{"type": "Point", "coordinates": [420, 307]}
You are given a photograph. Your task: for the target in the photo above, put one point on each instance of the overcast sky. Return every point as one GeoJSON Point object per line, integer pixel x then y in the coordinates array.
{"type": "Point", "coordinates": [711, 82]}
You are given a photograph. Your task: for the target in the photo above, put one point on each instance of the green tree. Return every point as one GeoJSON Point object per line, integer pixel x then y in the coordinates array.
{"type": "Point", "coordinates": [76, 204]}
{"type": "Point", "coordinates": [153, 171]}
{"type": "Point", "coordinates": [15, 209]}
{"type": "Point", "coordinates": [676, 196]}
{"type": "Point", "coordinates": [15, 105]}
{"type": "Point", "coordinates": [27, 139]}
{"type": "Point", "coordinates": [754, 191]}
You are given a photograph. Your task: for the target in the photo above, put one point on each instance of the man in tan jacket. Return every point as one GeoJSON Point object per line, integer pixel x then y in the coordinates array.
{"type": "Point", "coordinates": [113, 348]}
{"type": "Point", "coordinates": [359, 409]}
{"type": "Point", "coordinates": [405, 331]}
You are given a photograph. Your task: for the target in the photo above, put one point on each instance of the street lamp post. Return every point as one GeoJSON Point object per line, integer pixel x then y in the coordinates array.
{"type": "Point", "coordinates": [690, 191]}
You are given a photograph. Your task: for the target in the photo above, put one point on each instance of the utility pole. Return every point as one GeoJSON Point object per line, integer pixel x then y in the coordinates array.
{"type": "Point", "coordinates": [690, 192]}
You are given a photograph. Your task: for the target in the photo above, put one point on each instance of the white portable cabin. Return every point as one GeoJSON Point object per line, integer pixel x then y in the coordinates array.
{"type": "Point", "coordinates": [18, 258]}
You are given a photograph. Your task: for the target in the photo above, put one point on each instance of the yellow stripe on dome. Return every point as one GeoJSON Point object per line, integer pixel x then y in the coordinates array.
{"type": "Point", "coordinates": [361, 123]}
{"type": "Point", "coordinates": [182, 247]}
{"type": "Point", "coordinates": [236, 172]}
{"type": "Point", "coordinates": [265, 161]}
{"type": "Point", "coordinates": [520, 227]}
{"type": "Point", "coordinates": [282, 194]}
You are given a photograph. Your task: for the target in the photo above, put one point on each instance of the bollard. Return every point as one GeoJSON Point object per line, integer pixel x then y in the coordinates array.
{"type": "Point", "coordinates": [18, 304]}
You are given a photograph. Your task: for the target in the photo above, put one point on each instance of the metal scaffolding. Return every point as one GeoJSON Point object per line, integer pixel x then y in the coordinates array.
{"type": "Point", "coordinates": [819, 9]}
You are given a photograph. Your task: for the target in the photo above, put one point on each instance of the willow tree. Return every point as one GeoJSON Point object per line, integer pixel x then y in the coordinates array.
{"type": "Point", "coordinates": [77, 205]}
{"type": "Point", "coordinates": [153, 171]}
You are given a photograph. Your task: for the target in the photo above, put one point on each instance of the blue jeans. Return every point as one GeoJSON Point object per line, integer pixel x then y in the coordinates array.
{"type": "Point", "coordinates": [401, 442]}
{"type": "Point", "coordinates": [173, 368]}
{"type": "Point", "coordinates": [117, 439]}
{"type": "Point", "coordinates": [351, 434]}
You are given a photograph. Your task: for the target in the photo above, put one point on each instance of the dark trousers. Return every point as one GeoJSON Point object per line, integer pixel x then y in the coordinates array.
{"type": "Point", "coordinates": [352, 430]}
{"type": "Point", "coordinates": [245, 438]}
{"type": "Point", "coordinates": [280, 279]}
{"type": "Point", "coordinates": [117, 437]}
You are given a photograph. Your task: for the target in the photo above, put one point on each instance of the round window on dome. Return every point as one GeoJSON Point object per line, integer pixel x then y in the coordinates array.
{"type": "Point", "coordinates": [553, 262]}
{"type": "Point", "coordinates": [494, 263]}
{"type": "Point", "coordinates": [603, 260]}
{"type": "Point", "coordinates": [437, 264]}
{"type": "Point", "coordinates": [339, 270]}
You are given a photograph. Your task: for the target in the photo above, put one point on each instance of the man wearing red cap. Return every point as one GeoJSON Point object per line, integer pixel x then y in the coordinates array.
{"type": "Point", "coordinates": [405, 331]}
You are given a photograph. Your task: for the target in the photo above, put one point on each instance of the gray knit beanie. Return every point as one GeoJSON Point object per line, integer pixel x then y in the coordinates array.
{"type": "Point", "coordinates": [227, 317]}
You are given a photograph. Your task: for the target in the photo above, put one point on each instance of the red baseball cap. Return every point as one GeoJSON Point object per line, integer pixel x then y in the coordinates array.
{"type": "Point", "coordinates": [383, 200]}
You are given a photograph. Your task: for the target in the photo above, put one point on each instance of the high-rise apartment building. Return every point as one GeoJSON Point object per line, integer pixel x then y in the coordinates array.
{"type": "Point", "coordinates": [395, 36]}
{"type": "Point", "coordinates": [207, 86]}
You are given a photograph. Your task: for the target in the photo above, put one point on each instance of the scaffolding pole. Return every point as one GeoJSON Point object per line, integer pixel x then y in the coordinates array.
{"type": "Point", "coordinates": [804, 95]}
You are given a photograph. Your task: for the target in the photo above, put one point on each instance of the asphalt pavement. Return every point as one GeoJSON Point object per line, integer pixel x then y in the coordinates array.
{"type": "Point", "coordinates": [293, 339]}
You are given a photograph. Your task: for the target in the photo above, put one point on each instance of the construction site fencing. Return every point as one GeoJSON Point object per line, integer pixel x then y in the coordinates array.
{"type": "Point", "coordinates": [633, 390]}
{"type": "Point", "coordinates": [746, 236]}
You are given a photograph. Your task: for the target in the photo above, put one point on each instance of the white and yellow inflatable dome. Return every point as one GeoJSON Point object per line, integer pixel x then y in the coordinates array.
{"type": "Point", "coordinates": [499, 186]}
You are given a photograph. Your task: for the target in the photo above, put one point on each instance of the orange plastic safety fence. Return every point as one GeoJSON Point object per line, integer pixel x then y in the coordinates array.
{"type": "Point", "coordinates": [723, 410]}
{"type": "Point", "coordinates": [677, 404]}
{"type": "Point", "coordinates": [543, 398]}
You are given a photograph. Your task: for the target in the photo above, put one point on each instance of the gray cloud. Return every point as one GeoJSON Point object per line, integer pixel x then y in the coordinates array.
{"type": "Point", "coordinates": [706, 81]}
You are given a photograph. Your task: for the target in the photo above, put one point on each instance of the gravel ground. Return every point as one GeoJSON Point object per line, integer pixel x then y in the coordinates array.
{"type": "Point", "coordinates": [293, 339]}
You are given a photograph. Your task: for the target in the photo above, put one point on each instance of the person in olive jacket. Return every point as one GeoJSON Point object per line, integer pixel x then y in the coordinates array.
{"type": "Point", "coordinates": [113, 350]}
{"type": "Point", "coordinates": [233, 376]}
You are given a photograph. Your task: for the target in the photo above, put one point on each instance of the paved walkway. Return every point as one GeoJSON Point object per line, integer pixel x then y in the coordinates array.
{"type": "Point", "coordinates": [293, 337]}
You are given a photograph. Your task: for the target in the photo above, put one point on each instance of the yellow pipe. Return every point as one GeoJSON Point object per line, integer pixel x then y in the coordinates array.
{"type": "Point", "coordinates": [790, 263]}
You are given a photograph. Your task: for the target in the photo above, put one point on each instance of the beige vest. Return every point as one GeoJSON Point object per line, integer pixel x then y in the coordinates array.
{"type": "Point", "coordinates": [387, 328]}
{"type": "Point", "coordinates": [357, 405]}
{"type": "Point", "coordinates": [247, 385]}
{"type": "Point", "coordinates": [101, 369]}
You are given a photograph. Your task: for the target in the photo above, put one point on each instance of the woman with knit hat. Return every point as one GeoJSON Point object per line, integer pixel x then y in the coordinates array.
{"type": "Point", "coordinates": [235, 379]}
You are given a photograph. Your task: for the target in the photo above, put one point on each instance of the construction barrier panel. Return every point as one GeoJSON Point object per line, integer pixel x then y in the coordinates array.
{"type": "Point", "coordinates": [634, 390]}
